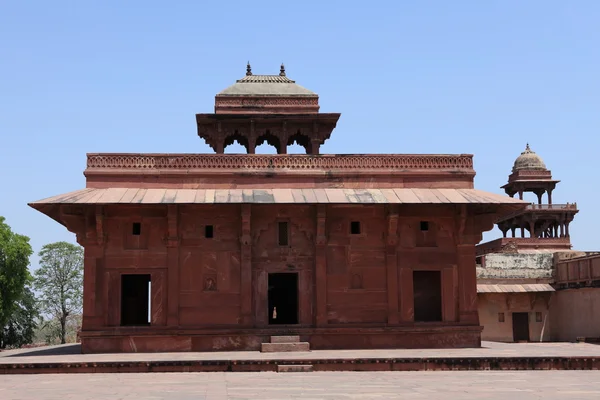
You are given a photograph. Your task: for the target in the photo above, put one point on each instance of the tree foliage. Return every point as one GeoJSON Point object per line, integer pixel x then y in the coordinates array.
{"type": "Point", "coordinates": [59, 282]}
{"type": "Point", "coordinates": [21, 325]}
{"type": "Point", "coordinates": [15, 251]}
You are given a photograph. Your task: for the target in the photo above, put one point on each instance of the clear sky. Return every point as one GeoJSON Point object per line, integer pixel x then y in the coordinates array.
{"type": "Point", "coordinates": [480, 77]}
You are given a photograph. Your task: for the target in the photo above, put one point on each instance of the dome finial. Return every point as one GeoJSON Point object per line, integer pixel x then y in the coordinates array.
{"type": "Point", "coordinates": [527, 147]}
{"type": "Point", "coordinates": [282, 70]}
{"type": "Point", "coordinates": [248, 69]}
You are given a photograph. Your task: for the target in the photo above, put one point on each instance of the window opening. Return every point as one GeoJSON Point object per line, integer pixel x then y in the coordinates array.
{"type": "Point", "coordinates": [208, 231]}
{"type": "Point", "coordinates": [355, 228]}
{"type": "Point", "coordinates": [136, 229]}
{"type": "Point", "coordinates": [283, 234]}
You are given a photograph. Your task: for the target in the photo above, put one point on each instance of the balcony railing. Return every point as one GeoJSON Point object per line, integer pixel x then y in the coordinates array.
{"type": "Point", "coordinates": [463, 162]}
{"type": "Point", "coordinates": [540, 207]}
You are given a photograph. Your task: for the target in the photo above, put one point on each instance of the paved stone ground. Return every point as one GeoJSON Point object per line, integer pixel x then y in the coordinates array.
{"type": "Point", "coordinates": [518, 385]}
{"type": "Point", "coordinates": [71, 353]}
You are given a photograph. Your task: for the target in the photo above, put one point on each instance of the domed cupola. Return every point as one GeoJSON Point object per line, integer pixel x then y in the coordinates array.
{"type": "Point", "coordinates": [529, 161]}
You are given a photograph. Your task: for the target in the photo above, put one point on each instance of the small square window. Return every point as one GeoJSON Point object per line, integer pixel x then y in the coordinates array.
{"type": "Point", "coordinates": [208, 231]}
{"type": "Point", "coordinates": [283, 234]}
{"type": "Point", "coordinates": [501, 317]}
{"type": "Point", "coordinates": [355, 227]}
{"type": "Point", "coordinates": [424, 226]}
{"type": "Point", "coordinates": [136, 229]}
{"type": "Point", "coordinates": [538, 317]}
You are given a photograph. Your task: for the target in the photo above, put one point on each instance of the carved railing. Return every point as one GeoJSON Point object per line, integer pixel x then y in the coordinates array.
{"type": "Point", "coordinates": [539, 207]}
{"type": "Point", "coordinates": [279, 161]}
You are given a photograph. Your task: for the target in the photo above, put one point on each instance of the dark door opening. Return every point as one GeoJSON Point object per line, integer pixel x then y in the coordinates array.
{"type": "Point", "coordinates": [427, 290]}
{"type": "Point", "coordinates": [283, 298]}
{"type": "Point", "coordinates": [135, 299]}
{"type": "Point", "coordinates": [520, 322]}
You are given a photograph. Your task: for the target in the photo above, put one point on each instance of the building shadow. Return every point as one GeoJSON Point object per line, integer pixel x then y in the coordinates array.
{"type": "Point", "coordinates": [62, 350]}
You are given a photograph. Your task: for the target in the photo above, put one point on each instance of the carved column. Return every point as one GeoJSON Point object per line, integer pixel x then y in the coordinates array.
{"type": "Point", "coordinates": [321, 268]}
{"type": "Point", "coordinates": [315, 145]}
{"type": "Point", "coordinates": [246, 266]}
{"type": "Point", "coordinates": [173, 265]}
{"type": "Point", "coordinates": [391, 260]}
{"type": "Point", "coordinates": [251, 139]}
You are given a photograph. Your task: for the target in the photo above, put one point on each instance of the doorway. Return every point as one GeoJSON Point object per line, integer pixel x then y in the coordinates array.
{"type": "Point", "coordinates": [427, 292]}
{"type": "Point", "coordinates": [283, 299]}
{"type": "Point", "coordinates": [520, 322]}
{"type": "Point", "coordinates": [135, 299]}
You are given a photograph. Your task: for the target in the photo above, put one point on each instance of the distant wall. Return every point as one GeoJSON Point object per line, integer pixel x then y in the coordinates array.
{"type": "Point", "coordinates": [491, 304]}
{"type": "Point", "coordinates": [575, 313]}
{"type": "Point", "coordinates": [516, 266]}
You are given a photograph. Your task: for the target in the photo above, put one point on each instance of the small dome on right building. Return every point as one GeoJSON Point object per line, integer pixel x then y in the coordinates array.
{"type": "Point", "coordinates": [529, 161]}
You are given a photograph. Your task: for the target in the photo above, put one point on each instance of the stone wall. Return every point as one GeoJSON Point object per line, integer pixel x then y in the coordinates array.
{"type": "Point", "coordinates": [530, 266]}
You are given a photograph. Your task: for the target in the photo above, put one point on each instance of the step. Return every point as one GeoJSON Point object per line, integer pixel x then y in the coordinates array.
{"type": "Point", "coordinates": [295, 368]}
{"type": "Point", "coordinates": [285, 339]}
{"type": "Point", "coordinates": [284, 347]}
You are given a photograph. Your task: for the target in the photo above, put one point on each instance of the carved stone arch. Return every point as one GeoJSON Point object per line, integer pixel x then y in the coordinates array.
{"type": "Point", "coordinates": [271, 139]}
{"type": "Point", "coordinates": [301, 140]}
{"type": "Point", "coordinates": [236, 136]}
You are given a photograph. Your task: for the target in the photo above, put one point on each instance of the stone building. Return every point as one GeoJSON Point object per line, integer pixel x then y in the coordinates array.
{"type": "Point", "coordinates": [200, 252]}
{"type": "Point", "coordinates": [531, 285]}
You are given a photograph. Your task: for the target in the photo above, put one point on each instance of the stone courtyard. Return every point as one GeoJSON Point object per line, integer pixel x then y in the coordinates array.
{"type": "Point", "coordinates": [547, 385]}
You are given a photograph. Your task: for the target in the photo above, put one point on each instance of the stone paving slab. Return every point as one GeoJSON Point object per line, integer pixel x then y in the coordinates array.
{"type": "Point", "coordinates": [480, 385]}
{"type": "Point", "coordinates": [70, 353]}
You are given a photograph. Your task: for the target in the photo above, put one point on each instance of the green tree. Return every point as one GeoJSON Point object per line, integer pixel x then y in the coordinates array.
{"type": "Point", "coordinates": [21, 326]}
{"type": "Point", "coordinates": [15, 251]}
{"type": "Point", "coordinates": [59, 281]}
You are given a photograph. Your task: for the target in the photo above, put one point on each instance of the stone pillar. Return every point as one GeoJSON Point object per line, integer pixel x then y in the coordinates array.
{"type": "Point", "coordinates": [407, 301]}
{"type": "Point", "coordinates": [93, 305]}
{"type": "Point", "coordinates": [532, 229]}
{"type": "Point", "coordinates": [391, 260]}
{"type": "Point", "coordinates": [567, 229]}
{"type": "Point", "coordinates": [251, 139]}
{"type": "Point", "coordinates": [172, 266]}
{"type": "Point", "coordinates": [467, 283]}
{"type": "Point", "coordinates": [251, 145]}
{"type": "Point", "coordinates": [315, 145]}
{"type": "Point", "coordinates": [220, 146]}
{"type": "Point", "coordinates": [246, 266]}
{"type": "Point", "coordinates": [321, 267]}
{"type": "Point", "coordinates": [550, 196]}
{"type": "Point", "coordinates": [562, 229]}
{"type": "Point", "coordinates": [93, 241]}
{"type": "Point", "coordinates": [282, 149]}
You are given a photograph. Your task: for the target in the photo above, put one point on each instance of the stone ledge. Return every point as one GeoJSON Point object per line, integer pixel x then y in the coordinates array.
{"type": "Point", "coordinates": [333, 364]}
{"type": "Point", "coordinates": [284, 347]}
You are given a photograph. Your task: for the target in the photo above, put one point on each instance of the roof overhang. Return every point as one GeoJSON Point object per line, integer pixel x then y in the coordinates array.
{"type": "Point", "coordinates": [515, 288]}
{"type": "Point", "coordinates": [282, 196]}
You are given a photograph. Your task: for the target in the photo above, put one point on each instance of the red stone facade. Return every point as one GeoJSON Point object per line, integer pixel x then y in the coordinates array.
{"type": "Point", "coordinates": [349, 266]}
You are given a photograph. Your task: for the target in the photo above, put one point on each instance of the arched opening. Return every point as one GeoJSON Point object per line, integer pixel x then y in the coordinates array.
{"type": "Point", "coordinates": [268, 144]}
{"type": "Point", "coordinates": [236, 144]}
{"type": "Point", "coordinates": [298, 144]}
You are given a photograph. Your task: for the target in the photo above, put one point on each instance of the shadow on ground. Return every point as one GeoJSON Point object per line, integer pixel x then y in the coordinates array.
{"type": "Point", "coordinates": [65, 349]}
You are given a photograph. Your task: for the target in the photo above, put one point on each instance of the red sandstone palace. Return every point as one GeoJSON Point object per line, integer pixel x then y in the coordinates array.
{"type": "Point", "coordinates": [201, 252]}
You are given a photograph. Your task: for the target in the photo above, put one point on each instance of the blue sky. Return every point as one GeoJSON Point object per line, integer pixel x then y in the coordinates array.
{"type": "Point", "coordinates": [480, 77]}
